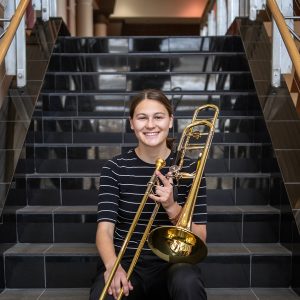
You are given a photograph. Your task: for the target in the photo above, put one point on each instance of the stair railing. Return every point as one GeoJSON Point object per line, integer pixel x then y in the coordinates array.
{"type": "Point", "coordinates": [13, 39]}
{"type": "Point", "coordinates": [286, 33]}
{"type": "Point", "coordinates": [17, 63]}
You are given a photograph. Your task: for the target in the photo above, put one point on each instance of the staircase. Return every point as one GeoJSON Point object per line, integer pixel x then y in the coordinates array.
{"type": "Point", "coordinates": [80, 121]}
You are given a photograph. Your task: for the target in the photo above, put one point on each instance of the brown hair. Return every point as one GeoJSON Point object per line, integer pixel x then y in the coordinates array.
{"type": "Point", "coordinates": [155, 95]}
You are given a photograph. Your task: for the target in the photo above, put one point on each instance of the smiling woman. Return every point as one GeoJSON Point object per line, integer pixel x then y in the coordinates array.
{"type": "Point", "coordinates": [123, 183]}
{"type": "Point", "coordinates": [151, 120]}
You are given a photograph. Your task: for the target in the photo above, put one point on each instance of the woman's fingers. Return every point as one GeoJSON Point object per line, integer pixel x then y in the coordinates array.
{"type": "Point", "coordinates": [125, 285]}
{"type": "Point", "coordinates": [165, 181]}
{"type": "Point", "coordinates": [120, 281]}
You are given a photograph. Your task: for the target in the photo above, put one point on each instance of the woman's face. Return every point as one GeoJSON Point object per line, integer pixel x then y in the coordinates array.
{"type": "Point", "coordinates": [151, 123]}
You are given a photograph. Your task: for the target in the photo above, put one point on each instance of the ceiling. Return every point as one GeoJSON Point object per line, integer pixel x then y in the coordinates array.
{"type": "Point", "coordinates": [154, 11]}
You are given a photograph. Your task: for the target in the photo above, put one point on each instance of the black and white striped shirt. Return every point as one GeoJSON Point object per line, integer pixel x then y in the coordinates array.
{"type": "Point", "coordinates": [123, 183]}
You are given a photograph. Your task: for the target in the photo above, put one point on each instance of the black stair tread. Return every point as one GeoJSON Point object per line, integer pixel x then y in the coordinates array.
{"type": "Point", "coordinates": [96, 175]}
{"type": "Point", "coordinates": [45, 294]}
{"type": "Point", "coordinates": [24, 249]}
{"type": "Point", "coordinates": [171, 92]}
{"type": "Point", "coordinates": [212, 294]}
{"type": "Point", "coordinates": [251, 293]}
{"type": "Point", "coordinates": [116, 73]}
{"type": "Point", "coordinates": [215, 209]}
{"type": "Point", "coordinates": [220, 249]}
{"type": "Point", "coordinates": [89, 249]}
{"type": "Point", "coordinates": [92, 209]}
{"type": "Point", "coordinates": [148, 54]}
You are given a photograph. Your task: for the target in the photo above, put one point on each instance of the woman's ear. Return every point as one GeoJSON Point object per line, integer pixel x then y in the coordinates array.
{"type": "Point", "coordinates": [131, 126]}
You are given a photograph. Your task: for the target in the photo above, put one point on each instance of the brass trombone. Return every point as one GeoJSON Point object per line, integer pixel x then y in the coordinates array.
{"type": "Point", "coordinates": [178, 243]}
{"type": "Point", "coordinates": [174, 243]}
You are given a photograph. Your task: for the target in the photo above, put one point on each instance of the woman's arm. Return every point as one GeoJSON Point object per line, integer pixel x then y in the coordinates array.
{"type": "Point", "coordinates": [106, 249]}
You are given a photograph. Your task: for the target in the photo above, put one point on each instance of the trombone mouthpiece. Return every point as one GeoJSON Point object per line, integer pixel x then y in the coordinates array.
{"type": "Point", "coordinates": [160, 163]}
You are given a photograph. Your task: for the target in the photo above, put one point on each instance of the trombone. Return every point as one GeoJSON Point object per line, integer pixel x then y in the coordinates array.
{"type": "Point", "coordinates": [175, 243]}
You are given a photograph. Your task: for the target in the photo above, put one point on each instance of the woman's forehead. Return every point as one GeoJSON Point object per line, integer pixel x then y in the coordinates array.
{"type": "Point", "coordinates": [148, 105]}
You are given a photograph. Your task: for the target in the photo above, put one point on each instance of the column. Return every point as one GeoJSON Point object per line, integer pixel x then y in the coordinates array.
{"type": "Point", "coordinates": [100, 27]}
{"type": "Point", "coordinates": [72, 17]}
{"type": "Point", "coordinates": [62, 9]}
{"type": "Point", "coordinates": [84, 18]}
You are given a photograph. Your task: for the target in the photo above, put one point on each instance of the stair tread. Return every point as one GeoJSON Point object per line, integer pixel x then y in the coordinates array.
{"type": "Point", "coordinates": [91, 209]}
{"type": "Point", "coordinates": [80, 175]}
{"type": "Point", "coordinates": [74, 249]}
{"type": "Point", "coordinates": [212, 293]}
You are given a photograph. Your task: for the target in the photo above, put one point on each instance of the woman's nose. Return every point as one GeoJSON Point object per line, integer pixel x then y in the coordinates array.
{"type": "Point", "coordinates": [150, 123]}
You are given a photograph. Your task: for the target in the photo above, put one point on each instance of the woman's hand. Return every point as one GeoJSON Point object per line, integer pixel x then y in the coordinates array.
{"type": "Point", "coordinates": [164, 193]}
{"type": "Point", "coordinates": [119, 281]}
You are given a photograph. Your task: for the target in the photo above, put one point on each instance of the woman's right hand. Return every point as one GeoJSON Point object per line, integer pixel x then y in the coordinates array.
{"type": "Point", "coordinates": [119, 281]}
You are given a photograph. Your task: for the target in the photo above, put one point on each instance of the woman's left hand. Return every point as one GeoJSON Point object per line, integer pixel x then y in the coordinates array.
{"type": "Point", "coordinates": [163, 193]}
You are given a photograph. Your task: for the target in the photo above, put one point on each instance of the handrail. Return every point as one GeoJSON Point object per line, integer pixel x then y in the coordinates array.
{"type": "Point", "coordinates": [12, 28]}
{"type": "Point", "coordinates": [208, 7]}
{"type": "Point", "coordinates": [285, 34]}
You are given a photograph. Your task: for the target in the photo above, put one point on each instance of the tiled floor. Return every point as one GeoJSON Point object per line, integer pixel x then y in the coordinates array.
{"type": "Point", "coordinates": [213, 294]}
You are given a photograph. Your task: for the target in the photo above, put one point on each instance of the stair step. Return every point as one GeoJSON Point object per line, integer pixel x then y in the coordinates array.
{"type": "Point", "coordinates": [81, 189]}
{"type": "Point", "coordinates": [82, 160]}
{"type": "Point", "coordinates": [150, 44]}
{"type": "Point", "coordinates": [73, 224]}
{"type": "Point", "coordinates": [136, 82]}
{"type": "Point", "coordinates": [212, 294]}
{"type": "Point", "coordinates": [251, 294]}
{"type": "Point", "coordinates": [45, 294]}
{"type": "Point", "coordinates": [74, 265]}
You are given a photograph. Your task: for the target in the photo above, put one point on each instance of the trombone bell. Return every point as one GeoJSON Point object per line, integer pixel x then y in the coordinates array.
{"type": "Point", "coordinates": [174, 244]}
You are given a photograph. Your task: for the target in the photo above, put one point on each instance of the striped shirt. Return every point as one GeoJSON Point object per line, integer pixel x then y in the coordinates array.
{"type": "Point", "coordinates": [123, 183]}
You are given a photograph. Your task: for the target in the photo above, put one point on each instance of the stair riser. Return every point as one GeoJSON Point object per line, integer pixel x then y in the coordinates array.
{"type": "Point", "coordinates": [77, 271]}
{"type": "Point", "coordinates": [81, 228]}
{"type": "Point", "coordinates": [66, 190]}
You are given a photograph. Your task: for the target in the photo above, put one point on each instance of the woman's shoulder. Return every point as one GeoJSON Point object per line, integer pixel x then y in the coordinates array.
{"type": "Point", "coordinates": [122, 160]}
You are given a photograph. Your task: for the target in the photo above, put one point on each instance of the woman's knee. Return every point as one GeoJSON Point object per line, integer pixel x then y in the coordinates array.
{"type": "Point", "coordinates": [183, 275]}
{"type": "Point", "coordinates": [185, 282]}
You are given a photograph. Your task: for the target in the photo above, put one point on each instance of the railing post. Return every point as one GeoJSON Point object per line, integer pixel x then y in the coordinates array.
{"type": "Point", "coordinates": [21, 52]}
{"type": "Point", "coordinates": [254, 6]}
{"type": "Point", "coordinates": [281, 61]}
{"type": "Point", "coordinates": [232, 10]}
{"type": "Point", "coordinates": [211, 24]}
{"type": "Point", "coordinates": [53, 8]}
{"type": "Point", "coordinates": [45, 10]}
{"type": "Point", "coordinates": [10, 58]}
{"type": "Point", "coordinates": [37, 4]}
{"type": "Point", "coordinates": [204, 31]}
{"type": "Point", "coordinates": [221, 17]}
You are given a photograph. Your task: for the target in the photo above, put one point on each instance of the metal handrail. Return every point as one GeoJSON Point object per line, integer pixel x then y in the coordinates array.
{"type": "Point", "coordinates": [12, 28]}
{"type": "Point", "coordinates": [285, 34]}
{"type": "Point", "coordinates": [208, 7]}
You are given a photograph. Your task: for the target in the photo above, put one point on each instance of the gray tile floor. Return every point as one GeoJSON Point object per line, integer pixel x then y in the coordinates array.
{"type": "Point", "coordinates": [213, 294]}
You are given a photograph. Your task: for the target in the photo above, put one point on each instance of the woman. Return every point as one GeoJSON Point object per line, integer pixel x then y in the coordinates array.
{"type": "Point", "coordinates": [123, 183]}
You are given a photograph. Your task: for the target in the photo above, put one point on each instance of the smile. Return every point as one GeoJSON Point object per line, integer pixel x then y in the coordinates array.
{"type": "Point", "coordinates": [151, 133]}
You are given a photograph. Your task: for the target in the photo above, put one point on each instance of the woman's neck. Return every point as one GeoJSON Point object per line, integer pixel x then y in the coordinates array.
{"type": "Point", "coordinates": [150, 155]}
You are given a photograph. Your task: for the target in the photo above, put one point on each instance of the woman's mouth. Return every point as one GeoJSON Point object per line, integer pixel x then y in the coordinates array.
{"type": "Point", "coordinates": [151, 133]}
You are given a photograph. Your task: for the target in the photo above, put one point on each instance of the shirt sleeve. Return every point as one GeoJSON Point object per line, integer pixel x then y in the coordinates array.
{"type": "Point", "coordinates": [108, 196]}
